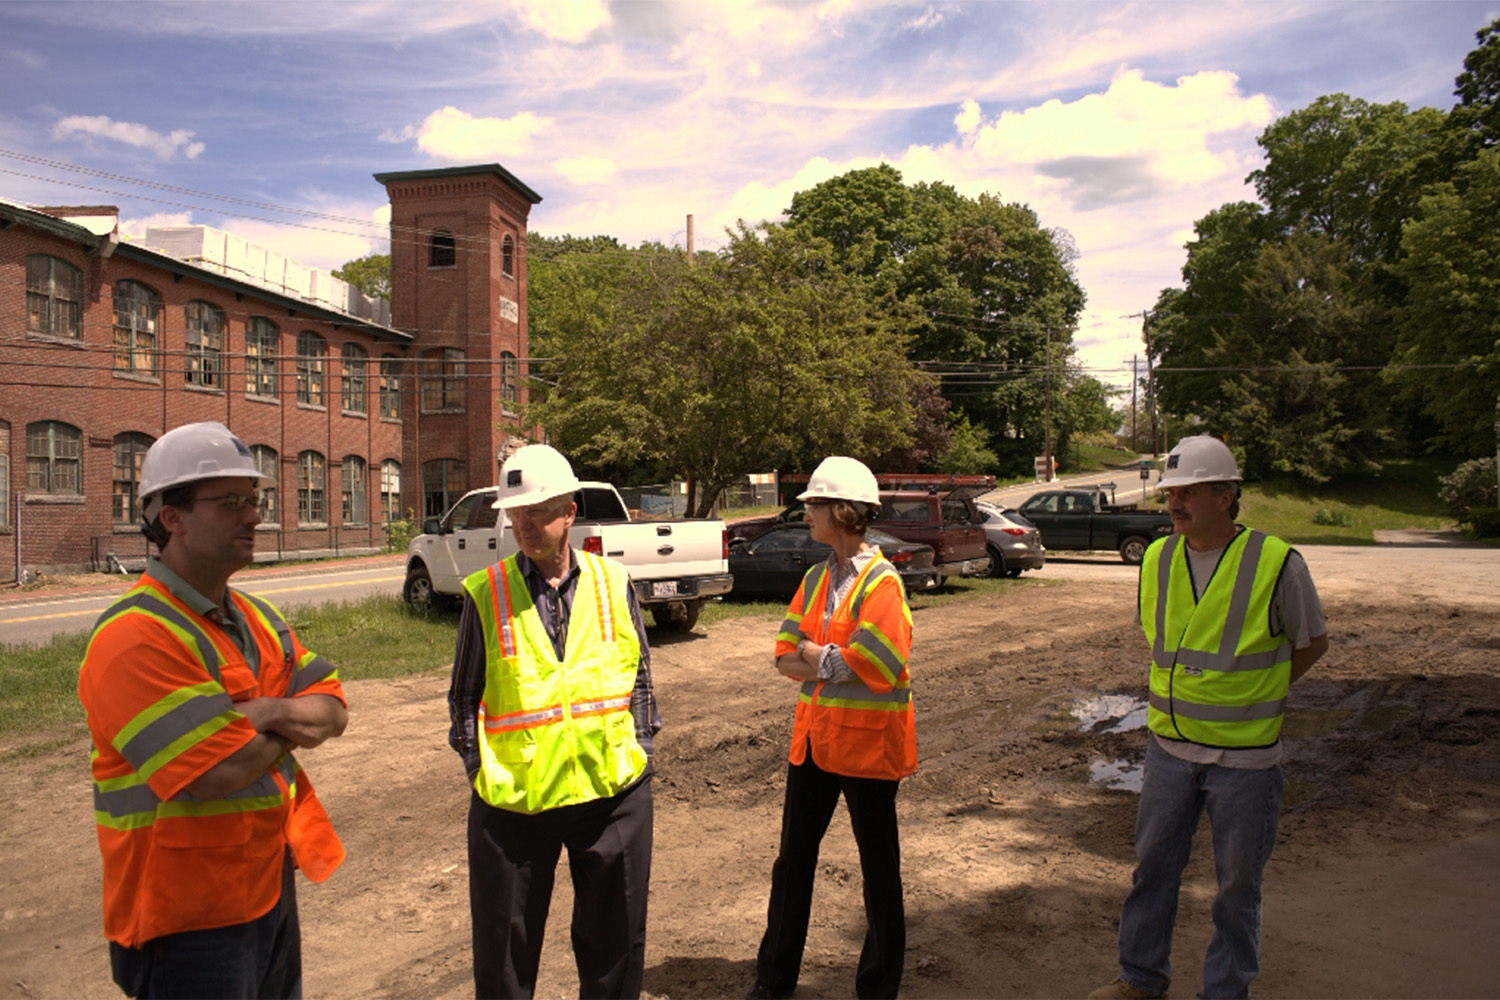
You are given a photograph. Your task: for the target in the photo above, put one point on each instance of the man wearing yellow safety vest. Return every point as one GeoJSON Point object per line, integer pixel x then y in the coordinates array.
{"type": "Point", "coordinates": [1232, 619]}
{"type": "Point", "coordinates": [553, 714]}
{"type": "Point", "coordinates": [846, 638]}
{"type": "Point", "coordinates": [196, 695]}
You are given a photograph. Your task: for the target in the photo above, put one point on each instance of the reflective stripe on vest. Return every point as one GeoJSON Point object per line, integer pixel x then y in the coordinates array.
{"type": "Point", "coordinates": [556, 732]}
{"type": "Point", "coordinates": [185, 716]}
{"type": "Point", "coordinates": [1219, 677]}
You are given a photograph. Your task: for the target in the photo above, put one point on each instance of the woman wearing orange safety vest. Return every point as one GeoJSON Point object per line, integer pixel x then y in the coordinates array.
{"type": "Point", "coordinates": [847, 637]}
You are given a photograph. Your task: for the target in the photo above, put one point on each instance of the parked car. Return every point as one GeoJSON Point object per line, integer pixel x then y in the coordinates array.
{"type": "Point", "coordinates": [775, 561]}
{"type": "Point", "coordinates": [1014, 543]}
{"type": "Point", "coordinates": [675, 566]}
{"type": "Point", "coordinates": [947, 521]}
{"type": "Point", "coordinates": [1085, 520]}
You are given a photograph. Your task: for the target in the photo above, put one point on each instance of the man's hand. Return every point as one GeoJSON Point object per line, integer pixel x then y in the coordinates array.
{"type": "Point", "coordinates": [306, 721]}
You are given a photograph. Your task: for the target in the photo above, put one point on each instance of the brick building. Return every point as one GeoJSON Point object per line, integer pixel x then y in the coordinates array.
{"type": "Point", "coordinates": [107, 344]}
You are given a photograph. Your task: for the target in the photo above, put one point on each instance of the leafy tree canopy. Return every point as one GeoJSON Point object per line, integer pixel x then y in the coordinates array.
{"type": "Point", "coordinates": [371, 275]}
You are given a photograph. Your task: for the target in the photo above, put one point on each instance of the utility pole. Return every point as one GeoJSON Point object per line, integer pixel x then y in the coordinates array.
{"type": "Point", "coordinates": [690, 239]}
{"type": "Point", "coordinates": [1047, 453]}
{"type": "Point", "coordinates": [1134, 381]}
{"type": "Point", "coordinates": [1150, 379]}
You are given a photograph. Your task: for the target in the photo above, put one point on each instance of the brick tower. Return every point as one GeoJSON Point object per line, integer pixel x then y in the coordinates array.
{"type": "Point", "coordinates": [458, 285]}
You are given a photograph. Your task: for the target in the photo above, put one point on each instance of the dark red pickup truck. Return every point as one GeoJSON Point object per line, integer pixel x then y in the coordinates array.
{"type": "Point", "coordinates": [949, 522]}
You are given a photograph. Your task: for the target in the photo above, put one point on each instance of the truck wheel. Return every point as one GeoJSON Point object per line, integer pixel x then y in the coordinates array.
{"type": "Point", "coordinates": [997, 565]}
{"type": "Point", "coordinates": [417, 591]}
{"type": "Point", "coordinates": [665, 620]}
{"type": "Point", "coordinates": [1133, 549]}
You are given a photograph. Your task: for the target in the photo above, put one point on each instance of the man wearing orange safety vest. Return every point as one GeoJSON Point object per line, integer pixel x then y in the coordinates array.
{"type": "Point", "coordinates": [553, 714]}
{"type": "Point", "coordinates": [847, 639]}
{"type": "Point", "coordinates": [196, 695]}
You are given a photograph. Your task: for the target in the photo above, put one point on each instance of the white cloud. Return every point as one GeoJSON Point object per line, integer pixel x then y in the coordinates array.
{"type": "Point", "coordinates": [451, 134]}
{"type": "Point", "coordinates": [563, 20]}
{"type": "Point", "coordinates": [130, 133]}
{"type": "Point", "coordinates": [586, 169]}
{"type": "Point", "coordinates": [135, 229]}
{"type": "Point", "coordinates": [967, 119]}
{"type": "Point", "coordinates": [27, 58]}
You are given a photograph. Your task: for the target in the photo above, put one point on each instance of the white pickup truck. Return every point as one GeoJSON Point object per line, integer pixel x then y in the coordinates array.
{"type": "Point", "coordinates": [674, 565]}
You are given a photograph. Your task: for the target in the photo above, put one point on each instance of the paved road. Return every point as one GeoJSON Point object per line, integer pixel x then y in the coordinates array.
{"type": "Point", "coordinates": [35, 620]}
{"type": "Point", "coordinates": [1127, 482]}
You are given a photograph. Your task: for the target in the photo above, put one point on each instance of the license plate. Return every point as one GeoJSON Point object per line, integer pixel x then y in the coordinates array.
{"type": "Point", "coordinates": [667, 589]}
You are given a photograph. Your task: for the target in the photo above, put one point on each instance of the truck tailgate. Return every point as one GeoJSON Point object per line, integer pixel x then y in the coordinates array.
{"type": "Point", "coordinates": [662, 550]}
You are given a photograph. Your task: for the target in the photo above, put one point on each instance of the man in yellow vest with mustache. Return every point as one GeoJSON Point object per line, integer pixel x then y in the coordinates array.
{"type": "Point", "coordinates": [553, 714]}
{"type": "Point", "coordinates": [1232, 619]}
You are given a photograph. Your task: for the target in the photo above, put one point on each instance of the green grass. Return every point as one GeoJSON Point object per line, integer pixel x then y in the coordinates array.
{"type": "Point", "coordinates": [735, 513]}
{"type": "Point", "coordinates": [1093, 458]}
{"type": "Point", "coordinates": [1349, 511]}
{"type": "Point", "coordinates": [39, 688]}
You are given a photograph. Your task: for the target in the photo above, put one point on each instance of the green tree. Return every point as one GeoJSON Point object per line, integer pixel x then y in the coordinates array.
{"type": "Point", "coordinates": [371, 275]}
{"type": "Point", "coordinates": [766, 355]}
{"type": "Point", "coordinates": [1477, 115]}
{"type": "Point", "coordinates": [1302, 364]}
{"type": "Point", "coordinates": [1447, 355]}
{"type": "Point", "coordinates": [984, 283]}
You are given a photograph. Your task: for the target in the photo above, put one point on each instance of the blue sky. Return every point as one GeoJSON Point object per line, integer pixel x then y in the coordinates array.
{"type": "Point", "coordinates": [1119, 122]}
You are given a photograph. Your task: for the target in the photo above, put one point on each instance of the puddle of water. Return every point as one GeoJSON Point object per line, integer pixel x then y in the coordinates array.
{"type": "Point", "coordinates": [1121, 775]}
{"type": "Point", "coordinates": [1127, 713]}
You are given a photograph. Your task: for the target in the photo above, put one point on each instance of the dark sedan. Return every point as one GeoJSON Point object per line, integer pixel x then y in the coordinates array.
{"type": "Point", "coordinates": [776, 561]}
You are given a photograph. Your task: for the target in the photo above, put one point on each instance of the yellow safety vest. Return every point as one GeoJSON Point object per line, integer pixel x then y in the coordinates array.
{"type": "Point", "coordinates": [1219, 676]}
{"type": "Point", "coordinates": [556, 733]}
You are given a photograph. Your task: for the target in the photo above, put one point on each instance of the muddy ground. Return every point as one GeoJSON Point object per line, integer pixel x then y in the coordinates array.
{"type": "Point", "coordinates": [1384, 882]}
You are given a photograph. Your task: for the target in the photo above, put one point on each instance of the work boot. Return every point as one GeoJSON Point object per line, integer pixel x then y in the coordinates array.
{"type": "Point", "coordinates": [1121, 990]}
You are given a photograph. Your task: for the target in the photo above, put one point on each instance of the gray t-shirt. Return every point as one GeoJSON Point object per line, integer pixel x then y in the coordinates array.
{"type": "Point", "coordinates": [1295, 611]}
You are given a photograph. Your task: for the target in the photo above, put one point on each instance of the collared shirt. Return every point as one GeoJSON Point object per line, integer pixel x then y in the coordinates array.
{"type": "Point", "coordinates": [554, 605]}
{"type": "Point", "coordinates": [225, 615]}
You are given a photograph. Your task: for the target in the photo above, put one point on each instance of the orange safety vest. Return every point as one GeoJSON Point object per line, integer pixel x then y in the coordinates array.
{"type": "Point", "coordinates": [864, 728]}
{"type": "Point", "coordinates": [159, 684]}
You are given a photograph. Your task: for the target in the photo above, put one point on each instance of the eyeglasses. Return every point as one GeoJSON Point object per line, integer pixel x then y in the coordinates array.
{"type": "Point", "coordinates": [541, 513]}
{"type": "Point", "coordinates": [232, 502]}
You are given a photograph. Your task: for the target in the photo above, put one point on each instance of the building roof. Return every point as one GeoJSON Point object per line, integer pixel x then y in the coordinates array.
{"type": "Point", "coordinates": [12, 214]}
{"type": "Point", "coordinates": [439, 173]}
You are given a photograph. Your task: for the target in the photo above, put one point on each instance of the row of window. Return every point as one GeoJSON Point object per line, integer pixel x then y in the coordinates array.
{"type": "Point", "coordinates": [54, 453]}
{"type": "Point", "coordinates": [53, 300]}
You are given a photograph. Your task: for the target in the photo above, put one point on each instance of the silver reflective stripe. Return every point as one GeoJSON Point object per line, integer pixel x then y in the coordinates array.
{"type": "Point", "coordinates": [317, 668]}
{"type": "Point", "coordinates": [880, 569]}
{"type": "Point", "coordinates": [1163, 580]}
{"type": "Point", "coordinates": [809, 688]}
{"type": "Point", "coordinates": [156, 606]}
{"type": "Point", "coordinates": [283, 630]}
{"type": "Point", "coordinates": [855, 691]}
{"type": "Point", "coordinates": [178, 722]}
{"type": "Point", "coordinates": [871, 645]}
{"type": "Point", "coordinates": [126, 801]}
{"type": "Point", "coordinates": [1218, 713]}
{"type": "Point", "coordinates": [810, 586]}
{"type": "Point", "coordinates": [1239, 601]}
{"type": "Point", "coordinates": [1228, 661]}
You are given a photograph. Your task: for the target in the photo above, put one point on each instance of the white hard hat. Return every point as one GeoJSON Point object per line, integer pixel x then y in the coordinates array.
{"type": "Point", "coordinates": [192, 452]}
{"type": "Point", "coordinates": [839, 477]}
{"type": "Point", "coordinates": [1199, 459]}
{"type": "Point", "coordinates": [533, 474]}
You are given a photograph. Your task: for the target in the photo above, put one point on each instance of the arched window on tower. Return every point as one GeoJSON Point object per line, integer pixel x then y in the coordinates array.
{"type": "Point", "coordinates": [441, 251]}
{"type": "Point", "coordinates": [508, 257]}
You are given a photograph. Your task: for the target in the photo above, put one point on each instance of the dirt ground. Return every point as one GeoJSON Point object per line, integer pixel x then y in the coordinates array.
{"type": "Point", "coordinates": [1384, 882]}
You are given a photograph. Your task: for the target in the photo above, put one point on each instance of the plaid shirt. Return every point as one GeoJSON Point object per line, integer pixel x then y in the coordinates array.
{"type": "Point", "coordinates": [553, 605]}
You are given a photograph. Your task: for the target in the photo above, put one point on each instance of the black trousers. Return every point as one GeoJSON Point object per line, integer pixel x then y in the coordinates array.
{"type": "Point", "coordinates": [811, 795]}
{"type": "Point", "coordinates": [261, 958]}
{"type": "Point", "coordinates": [512, 863]}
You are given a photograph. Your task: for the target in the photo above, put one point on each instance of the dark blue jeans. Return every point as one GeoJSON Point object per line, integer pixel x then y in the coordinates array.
{"type": "Point", "coordinates": [257, 960]}
{"type": "Point", "coordinates": [1243, 809]}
